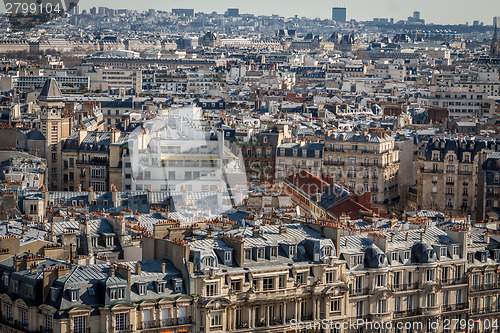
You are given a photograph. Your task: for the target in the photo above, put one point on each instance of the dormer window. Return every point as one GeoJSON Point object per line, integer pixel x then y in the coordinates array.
{"type": "Point", "coordinates": [443, 252]}
{"type": "Point", "coordinates": [74, 295]}
{"type": "Point", "coordinates": [116, 293]}
{"type": "Point", "coordinates": [248, 254]}
{"type": "Point", "coordinates": [327, 251]}
{"type": "Point", "coordinates": [160, 287]}
{"type": "Point", "coordinates": [143, 288]}
{"type": "Point", "coordinates": [260, 253]}
{"type": "Point", "coordinates": [227, 256]}
{"type": "Point", "coordinates": [394, 257]}
{"type": "Point", "coordinates": [208, 261]}
{"type": "Point", "coordinates": [177, 286]}
{"type": "Point", "coordinates": [456, 250]}
{"type": "Point", "coordinates": [356, 259]}
{"type": "Point", "coordinates": [274, 252]}
{"type": "Point", "coordinates": [292, 251]}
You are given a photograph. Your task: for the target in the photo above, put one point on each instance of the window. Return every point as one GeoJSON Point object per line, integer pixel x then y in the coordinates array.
{"type": "Point", "coordinates": [215, 319]}
{"type": "Point", "coordinates": [282, 281]}
{"type": "Point", "coordinates": [248, 254]}
{"type": "Point", "coordinates": [456, 250]}
{"type": "Point", "coordinates": [429, 275]}
{"type": "Point", "coordinates": [381, 306]}
{"type": "Point", "coordinates": [7, 309]}
{"type": "Point", "coordinates": [274, 251]}
{"type": "Point", "coordinates": [330, 276]}
{"type": "Point", "coordinates": [227, 256]}
{"type": "Point", "coordinates": [442, 252]}
{"type": "Point", "coordinates": [121, 322]}
{"type": "Point", "coordinates": [48, 322]}
{"type": "Point", "coordinates": [117, 293]}
{"type": "Point", "coordinates": [380, 280]}
{"type": "Point", "coordinates": [407, 255]}
{"type": "Point", "coordinates": [475, 281]}
{"type": "Point", "coordinates": [143, 288]}
{"type": "Point", "coordinates": [74, 295]}
{"type": "Point", "coordinates": [292, 251]}
{"type": "Point", "coordinates": [255, 283]}
{"type": "Point", "coordinates": [236, 285]}
{"type": "Point", "coordinates": [268, 283]}
{"type": "Point", "coordinates": [334, 305]}
{"type": "Point", "coordinates": [79, 324]}
{"type": "Point", "coordinates": [211, 289]}
{"type": "Point", "coordinates": [430, 300]}
{"type": "Point", "coordinates": [260, 253]}
{"type": "Point", "coordinates": [397, 279]}
{"type": "Point", "coordinates": [301, 278]}
{"type": "Point", "coordinates": [446, 298]}
{"type": "Point", "coordinates": [409, 303]}
{"type": "Point", "coordinates": [327, 251]}
{"type": "Point", "coordinates": [23, 317]}
{"type": "Point", "coordinates": [356, 260]}
{"type": "Point", "coordinates": [394, 257]}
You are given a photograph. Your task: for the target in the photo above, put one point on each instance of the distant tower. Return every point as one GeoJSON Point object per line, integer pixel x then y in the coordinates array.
{"type": "Point", "coordinates": [495, 44]}
{"type": "Point", "coordinates": [51, 104]}
{"type": "Point", "coordinates": [339, 14]}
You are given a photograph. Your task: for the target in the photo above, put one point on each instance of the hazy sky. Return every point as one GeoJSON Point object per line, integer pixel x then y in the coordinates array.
{"type": "Point", "coordinates": [433, 11]}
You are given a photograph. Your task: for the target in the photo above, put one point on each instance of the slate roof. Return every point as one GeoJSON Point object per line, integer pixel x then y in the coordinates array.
{"type": "Point", "coordinates": [50, 91]}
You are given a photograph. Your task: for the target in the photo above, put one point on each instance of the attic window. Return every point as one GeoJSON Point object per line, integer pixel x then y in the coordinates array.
{"type": "Point", "coordinates": [143, 288]}
{"type": "Point", "coordinates": [160, 287]}
{"type": "Point", "coordinates": [117, 293]}
{"type": "Point", "coordinates": [74, 295]}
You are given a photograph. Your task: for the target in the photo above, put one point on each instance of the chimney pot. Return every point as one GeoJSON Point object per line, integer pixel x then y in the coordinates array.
{"type": "Point", "coordinates": [138, 268]}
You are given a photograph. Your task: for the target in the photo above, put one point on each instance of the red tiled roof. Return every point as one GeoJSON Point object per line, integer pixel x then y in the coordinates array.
{"type": "Point", "coordinates": [349, 207]}
{"type": "Point", "coordinates": [308, 183]}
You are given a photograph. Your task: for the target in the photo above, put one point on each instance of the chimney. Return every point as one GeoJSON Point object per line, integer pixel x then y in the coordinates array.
{"type": "Point", "coordinates": [138, 268]}
{"type": "Point", "coordinates": [114, 196]}
{"type": "Point", "coordinates": [163, 266]}
{"type": "Point", "coordinates": [406, 237]}
{"type": "Point", "coordinates": [114, 135]}
{"type": "Point", "coordinates": [90, 195]}
{"type": "Point", "coordinates": [422, 235]}
{"type": "Point", "coordinates": [282, 229]}
{"type": "Point", "coordinates": [256, 231]}
{"type": "Point", "coordinates": [82, 133]}
{"type": "Point", "coordinates": [346, 242]}
{"type": "Point", "coordinates": [111, 271]}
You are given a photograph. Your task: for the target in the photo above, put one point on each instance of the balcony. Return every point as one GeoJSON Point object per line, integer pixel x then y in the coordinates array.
{"type": "Point", "coordinates": [124, 328]}
{"type": "Point", "coordinates": [405, 286]}
{"type": "Point", "coordinates": [337, 163]}
{"type": "Point", "coordinates": [165, 323]}
{"type": "Point", "coordinates": [359, 291]}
